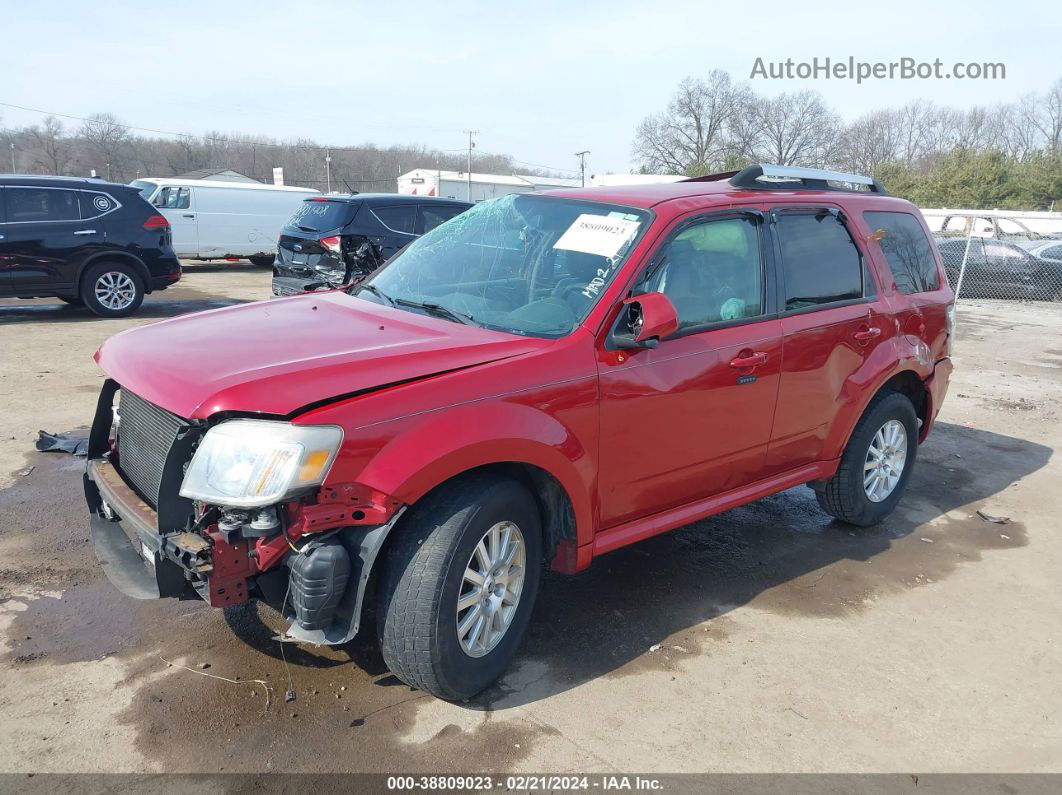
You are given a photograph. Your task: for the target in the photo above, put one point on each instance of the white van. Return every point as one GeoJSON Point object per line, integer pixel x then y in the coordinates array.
{"type": "Point", "coordinates": [214, 220]}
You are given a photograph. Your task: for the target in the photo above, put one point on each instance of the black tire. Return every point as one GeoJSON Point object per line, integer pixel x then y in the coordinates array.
{"type": "Point", "coordinates": [117, 272]}
{"type": "Point", "coordinates": [843, 496]}
{"type": "Point", "coordinates": [422, 578]}
{"type": "Point", "coordinates": [72, 300]}
{"type": "Point", "coordinates": [262, 262]}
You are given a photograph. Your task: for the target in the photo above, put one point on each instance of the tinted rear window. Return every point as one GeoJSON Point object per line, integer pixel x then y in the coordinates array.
{"type": "Point", "coordinates": [41, 204]}
{"type": "Point", "coordinates": [820, 262]}
{"type": "Point", "coordinates": [321, 215]}
{"type": "Point", "coordinates": [906, 249]}
{"type": "Point", "coordinates": [397, 219]}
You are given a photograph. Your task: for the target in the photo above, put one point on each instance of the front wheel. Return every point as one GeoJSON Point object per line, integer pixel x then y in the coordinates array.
{"type": "Point", "coordinates": [262, 262]}
{"type": "Point", "coordinates": [876, 464]}
{"type": "Point", "coordinates": [459, 584]}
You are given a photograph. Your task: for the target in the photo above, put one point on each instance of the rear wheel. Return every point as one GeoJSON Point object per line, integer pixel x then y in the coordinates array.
{"type": "Point", "coordinates": [261, 262]}
{"type": "Point", "coordinates": [459, 584]}
{"type": "Point", "coordinates": [875, 465]}
{"type": "Point", "coordinates": [112, 289]}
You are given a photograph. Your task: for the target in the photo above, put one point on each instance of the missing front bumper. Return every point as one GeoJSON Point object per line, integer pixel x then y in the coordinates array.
{"type": "Point", "coordinates": [133, 556]}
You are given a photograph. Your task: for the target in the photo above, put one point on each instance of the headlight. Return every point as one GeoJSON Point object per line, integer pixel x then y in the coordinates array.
{"type": "Point", "coordinates": [252, 463]}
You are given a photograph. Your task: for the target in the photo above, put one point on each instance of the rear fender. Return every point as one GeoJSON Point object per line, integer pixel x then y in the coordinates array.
{"type": "Point", "coordinates": [115, 256]}
{"type": "Point", "coordinates": [894, 355]}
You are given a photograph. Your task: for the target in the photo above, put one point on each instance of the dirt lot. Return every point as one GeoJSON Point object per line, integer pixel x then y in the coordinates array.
{"type": "Point", "coordinates": [767, 639]}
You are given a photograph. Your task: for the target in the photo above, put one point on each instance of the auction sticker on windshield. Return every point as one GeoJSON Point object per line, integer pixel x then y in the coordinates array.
{"type": "Point", "coordinates": [597, 234]}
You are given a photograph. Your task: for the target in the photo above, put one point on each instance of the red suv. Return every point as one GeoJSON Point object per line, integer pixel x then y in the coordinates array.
{"type": "Point", "coordinates": [541, 380]}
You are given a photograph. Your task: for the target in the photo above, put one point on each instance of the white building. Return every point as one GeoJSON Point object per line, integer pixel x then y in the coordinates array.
{"type": "Point", "coordinates": [457, 185]}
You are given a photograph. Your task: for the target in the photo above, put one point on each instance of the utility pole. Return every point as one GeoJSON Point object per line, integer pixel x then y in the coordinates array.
{"type": "Point", "coordinates": [328, 170]}
{"type": "Point", "coordinates": [109, 173]}
{"type": "Point", "coordinates": [582, 164]}
{"type": "Point", "coordinates": [13, 158]}
{"type": "Point", "coordinates": [471, 146]}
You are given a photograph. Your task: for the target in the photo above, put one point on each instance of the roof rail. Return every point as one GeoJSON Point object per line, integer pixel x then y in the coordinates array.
{"type": "Point", "coordinates": [771, 177]}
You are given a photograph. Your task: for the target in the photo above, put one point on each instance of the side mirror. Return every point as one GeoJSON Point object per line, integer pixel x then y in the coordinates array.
{"type": "Point", "coordinates": [644, 321]}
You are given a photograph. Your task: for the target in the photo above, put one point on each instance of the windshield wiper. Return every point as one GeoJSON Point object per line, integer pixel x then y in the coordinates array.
{"type": "Point", "coordinates": [436, 309]}
{"type": "Point", "coordinates": [377, 292]}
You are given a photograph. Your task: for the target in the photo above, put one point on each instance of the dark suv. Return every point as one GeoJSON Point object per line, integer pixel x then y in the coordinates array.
{"type": "Point", "coordinates": [84, 241]}
{"type": "Point", "coordinates": [332, 240]}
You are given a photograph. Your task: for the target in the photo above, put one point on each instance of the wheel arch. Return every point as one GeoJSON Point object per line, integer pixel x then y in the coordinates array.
{"type": "Point", "coordinates": [513, 440]}
{"type": "Point", "coordinates": [123, 257]}
{"type": "Point", "coordinates": [902, 378]}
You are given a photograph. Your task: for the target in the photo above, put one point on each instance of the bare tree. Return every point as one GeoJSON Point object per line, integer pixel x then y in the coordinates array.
{"type": "Point", "coordinates": [692, 134]}
{"type": "Point", "coordinates": [794, 129]}
{"type": "Point", "coordinates": [1049, 119]}
{"type": "Point", "coordinates": [871, 141]}
{"type": "Point", "coordinates": [52, 150]}
{"type": "Point", "coordinates": [106, 138]}
{"type": "Point", "coordinates": [1021, 136]}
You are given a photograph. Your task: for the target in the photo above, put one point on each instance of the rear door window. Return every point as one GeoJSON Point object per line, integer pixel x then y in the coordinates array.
{"type": "Point", "coordinates": [820, 262]}
{"type": "Point", "coordinates": [906, 249]}
{"type": "Point", "coordinates": [41, 205]}
{"type": "Point", "coordinates": [400, 218]}
{"type": "Point", "coordinates": [430, 216]}
{"type": "Point", "coordinates": [321, 215]}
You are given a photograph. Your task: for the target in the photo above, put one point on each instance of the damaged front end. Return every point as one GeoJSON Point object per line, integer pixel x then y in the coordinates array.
{"type": "Point", "coordinates": [232, 511]}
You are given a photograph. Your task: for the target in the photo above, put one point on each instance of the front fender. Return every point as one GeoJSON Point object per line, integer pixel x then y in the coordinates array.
{"type": "Point", "coordinates": [444, 444]}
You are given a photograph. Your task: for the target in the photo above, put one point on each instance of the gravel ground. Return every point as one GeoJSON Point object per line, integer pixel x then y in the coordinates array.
{"type": "Point", "coordinates": [766, 639]}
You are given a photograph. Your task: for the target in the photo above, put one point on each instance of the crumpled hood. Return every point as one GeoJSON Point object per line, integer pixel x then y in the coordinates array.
{"type": "Point", "coordinates": [275, 357]}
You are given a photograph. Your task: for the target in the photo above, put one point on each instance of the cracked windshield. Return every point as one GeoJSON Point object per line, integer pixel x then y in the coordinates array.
{"type": "Point", "coordinates": [532, 265]}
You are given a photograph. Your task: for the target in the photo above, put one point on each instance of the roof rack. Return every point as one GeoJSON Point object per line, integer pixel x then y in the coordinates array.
{"type": "Point", "coordinates": [766, 176]}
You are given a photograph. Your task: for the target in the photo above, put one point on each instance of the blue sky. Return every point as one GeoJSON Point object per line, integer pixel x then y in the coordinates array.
{"type": "Point", "coordinates": [538, 80]}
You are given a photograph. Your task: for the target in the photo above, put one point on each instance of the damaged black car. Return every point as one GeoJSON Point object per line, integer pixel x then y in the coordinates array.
{"type": "Point", "coordinates": [335, 240]}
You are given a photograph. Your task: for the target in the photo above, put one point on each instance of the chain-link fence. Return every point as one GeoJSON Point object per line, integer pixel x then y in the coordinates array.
{"type": "Point", "coordinates": [1000, 255]}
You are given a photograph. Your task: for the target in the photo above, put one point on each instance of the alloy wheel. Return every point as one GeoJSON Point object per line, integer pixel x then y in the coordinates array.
{"type": "Point", "coordinates": [490, 589]}
{"type": "Point", "coordinates": [115, 290]}
{"type": "Point", "coordinates": [885, 461]}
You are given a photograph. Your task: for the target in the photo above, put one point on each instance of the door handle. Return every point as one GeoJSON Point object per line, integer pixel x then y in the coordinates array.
{"type": "Point", "coordinates": [188, 215]}
{"type": "Point", "coordinates": [752, 360]}
{"type": "Point", "coordinates": [867, 334]}
{"type": "Point", "coordinates": [85, 232]}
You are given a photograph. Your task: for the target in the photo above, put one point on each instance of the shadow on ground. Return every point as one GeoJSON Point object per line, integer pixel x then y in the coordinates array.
{"type": "Point", "coordinates": [780, 554]}
{"type": "Point", "coordinates": [157, 306]}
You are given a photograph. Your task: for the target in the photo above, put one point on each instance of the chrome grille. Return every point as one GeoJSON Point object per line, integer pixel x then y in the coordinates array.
{"type": "Point", "coordinates": [145, 435]}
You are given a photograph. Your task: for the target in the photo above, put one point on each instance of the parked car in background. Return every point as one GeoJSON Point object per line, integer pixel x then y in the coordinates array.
{"type": "Point", "coordinates": [547, 378]}
{"type": "Point", "coordinates": [998, 269]}
{"type": "Point", "coordinates": [331, 240]}
{"type": "Point", "coordinates": [216, 220]}
{"type": "Point", "coordinates": [84, 241]}
{"type": "Point", "coordinates": [1048, 248]}
{"type": "Point", "coordinates": [991, 226]}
